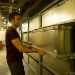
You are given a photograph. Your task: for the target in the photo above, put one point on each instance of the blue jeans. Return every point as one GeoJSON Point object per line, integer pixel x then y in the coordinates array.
{"type": "Point", "coordinates": [16, 68]}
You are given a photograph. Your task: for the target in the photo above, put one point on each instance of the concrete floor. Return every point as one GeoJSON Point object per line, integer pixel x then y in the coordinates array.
{"type": "Point", "coordinates": [4, 69]}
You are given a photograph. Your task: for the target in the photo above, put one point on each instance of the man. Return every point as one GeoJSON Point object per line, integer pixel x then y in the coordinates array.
{"type": "Point", "coordinates": [15, 48]}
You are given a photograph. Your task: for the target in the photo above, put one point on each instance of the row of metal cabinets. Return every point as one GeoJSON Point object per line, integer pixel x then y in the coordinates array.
{"type": "Point", "coordinates": [58, 43]}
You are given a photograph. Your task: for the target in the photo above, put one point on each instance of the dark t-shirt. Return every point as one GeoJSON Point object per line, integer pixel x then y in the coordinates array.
{"type": "Point", "coordinates": [13, 54]}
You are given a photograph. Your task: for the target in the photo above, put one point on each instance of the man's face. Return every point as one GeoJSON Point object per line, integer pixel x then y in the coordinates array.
{"type": "Point", "coordinates": [17, 20]}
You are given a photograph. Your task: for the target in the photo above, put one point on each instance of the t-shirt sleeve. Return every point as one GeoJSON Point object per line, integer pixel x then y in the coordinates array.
{"type": "Point", "coordinates": [13, 34]}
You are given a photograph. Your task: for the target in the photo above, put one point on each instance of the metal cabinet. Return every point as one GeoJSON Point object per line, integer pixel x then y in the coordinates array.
{"type": "Point", "coordinates": [58, 42]}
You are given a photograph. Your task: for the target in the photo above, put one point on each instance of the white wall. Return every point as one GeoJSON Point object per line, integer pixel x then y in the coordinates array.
{"type": "Point", "coordinates": [2, 36]}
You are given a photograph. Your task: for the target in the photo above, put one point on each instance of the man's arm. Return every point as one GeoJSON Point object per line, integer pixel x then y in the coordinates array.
{"type": "Point", "coordinates": [18, 44]}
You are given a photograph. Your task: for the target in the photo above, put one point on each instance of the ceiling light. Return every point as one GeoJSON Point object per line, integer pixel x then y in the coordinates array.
{"type": "Point", "coordinates": [12, 1]}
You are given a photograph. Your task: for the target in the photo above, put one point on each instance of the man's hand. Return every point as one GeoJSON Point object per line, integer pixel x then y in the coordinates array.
{"type": "Point", "coordinates": [30, 47]}
{"type": "Point", "coordinates": [41, 52]}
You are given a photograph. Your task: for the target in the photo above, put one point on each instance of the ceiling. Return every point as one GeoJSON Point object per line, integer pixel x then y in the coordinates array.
{"type": "Point", "coordinates": [27, 8]}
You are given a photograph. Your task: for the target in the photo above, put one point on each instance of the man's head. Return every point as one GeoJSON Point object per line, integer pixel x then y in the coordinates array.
{"type": "Point", "coordinates": [13, 14]}
{"type": "Point", "coordinates": [15, 18]}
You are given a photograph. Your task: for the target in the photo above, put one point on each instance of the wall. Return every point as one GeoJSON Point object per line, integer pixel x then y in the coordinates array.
{"type": "Point", "coordinates": [2, 36]}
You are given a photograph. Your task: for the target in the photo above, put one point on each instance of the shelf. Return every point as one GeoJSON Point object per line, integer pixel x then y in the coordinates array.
{"type": "Point", "coordinates": [67, 56]}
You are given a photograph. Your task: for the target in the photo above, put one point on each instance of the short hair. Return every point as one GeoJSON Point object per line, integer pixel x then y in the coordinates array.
{"type": "Point", "coordinates": [13, 14]}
